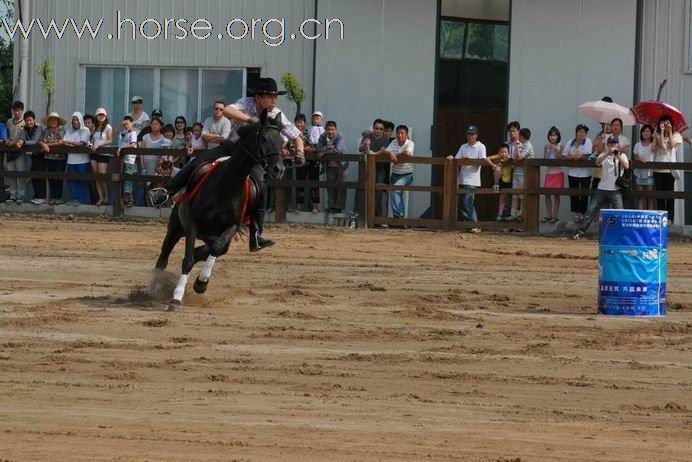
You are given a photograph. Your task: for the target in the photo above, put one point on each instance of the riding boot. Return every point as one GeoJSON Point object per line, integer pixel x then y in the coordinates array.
{"type": "Point", "coordinates": [159, 196]}
{"type": "Point", "coordinates": [257, 242]}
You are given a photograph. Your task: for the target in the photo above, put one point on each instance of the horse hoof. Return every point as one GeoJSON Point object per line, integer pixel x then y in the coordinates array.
{"type": "Point", "coordinates": [199, 286]}
{"type": "Point", "coordinates": [174, 306]}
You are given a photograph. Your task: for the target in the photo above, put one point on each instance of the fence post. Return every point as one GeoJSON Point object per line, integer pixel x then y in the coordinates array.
{"type": "Point", "coordinates": [532, 181]}
{"type": "Point", "coordinates": [449, 193]}
{"type": "Point", "coordinates": [370, 192]}
{"type": "Point", "coordinates": [116, 186]}
{"type": "Point", "coordinates": [362, 204]}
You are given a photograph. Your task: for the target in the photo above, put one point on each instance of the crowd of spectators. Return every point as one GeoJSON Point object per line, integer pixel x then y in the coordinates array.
{"type": "Point", "coordinates": [611, 150]}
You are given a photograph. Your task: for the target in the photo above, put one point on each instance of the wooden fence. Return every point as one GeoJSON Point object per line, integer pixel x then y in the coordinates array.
{"type": "Point", "coordinates": [366, 186]}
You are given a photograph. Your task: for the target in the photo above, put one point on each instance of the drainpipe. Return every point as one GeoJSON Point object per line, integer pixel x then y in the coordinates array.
{"type": "Point", "coordinates": [24, 9]}
{"type": "Point", "coordinates": [314, 60]}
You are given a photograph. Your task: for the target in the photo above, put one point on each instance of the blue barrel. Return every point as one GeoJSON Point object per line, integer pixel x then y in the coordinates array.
{"type": "Point", "coordinates": [633, 262]}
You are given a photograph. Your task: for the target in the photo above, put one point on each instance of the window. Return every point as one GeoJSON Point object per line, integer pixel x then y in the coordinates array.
{"type": "Point", "coordinates": [176, 91]}
{"type": "Point", "coordinates": [688, 38]}
{"type": "Point", "coordinates": [466, 39]}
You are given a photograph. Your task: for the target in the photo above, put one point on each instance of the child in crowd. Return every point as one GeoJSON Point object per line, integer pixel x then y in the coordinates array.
{"type": "Point", "coordinates": [317, 129]}
{"type": "Point", "coordinates": [554, 176]}
{"type": "Point", "coordinates": [524, 151]}
{"type": "Point", "coordinates": [502, 173]}
{"type": "Point", "coordinates": [644, 178]}
{"type": "Point", "coordinates": [196, 142]}
{"type": "Point", "coordinates": [127, 138]}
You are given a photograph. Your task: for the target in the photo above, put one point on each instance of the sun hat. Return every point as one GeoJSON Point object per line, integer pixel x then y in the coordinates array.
{"type": "Point", "coordinates": [53, 115]}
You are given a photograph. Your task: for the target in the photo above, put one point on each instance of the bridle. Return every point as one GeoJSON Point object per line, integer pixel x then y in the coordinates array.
{"type": "Point", "coordinates": [261, 160]}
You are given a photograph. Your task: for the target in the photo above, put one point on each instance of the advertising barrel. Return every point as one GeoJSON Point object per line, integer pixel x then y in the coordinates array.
{"type": "Point", "coordinates": [633, 262]}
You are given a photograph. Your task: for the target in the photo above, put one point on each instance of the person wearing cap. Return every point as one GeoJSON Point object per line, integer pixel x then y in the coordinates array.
{"type": "Point", "coordinates": [470, 175]}
{"type": "Point", "coordinates": [217, 127]}
{"type": "Point", "coordinates": [244, 111]}
{"type": "Point", "coordinates": [613, 163]}
{"type": "Point", "coordinates": [53, 136]}
{"type": "Point", "coordinates": [103, 136]}
{"type": "Point", "coordinates": [316, 130]}
{"type": "Point", "coordinates": [140, 119]}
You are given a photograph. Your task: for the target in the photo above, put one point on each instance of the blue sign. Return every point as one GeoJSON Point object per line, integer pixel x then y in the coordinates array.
{"type": "Point", "coordinates": [633, 262]}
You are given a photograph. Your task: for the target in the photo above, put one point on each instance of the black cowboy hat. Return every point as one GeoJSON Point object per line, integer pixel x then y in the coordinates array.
{"type": "Point", "coordinates": [266, 86]}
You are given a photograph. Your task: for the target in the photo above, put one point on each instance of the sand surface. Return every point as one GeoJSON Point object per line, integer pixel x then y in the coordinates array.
{"type": "Point", "coordinates": [335, 345]}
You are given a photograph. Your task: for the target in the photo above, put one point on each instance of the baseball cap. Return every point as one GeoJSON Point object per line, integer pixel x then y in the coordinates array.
{"type": "Point", "coordinates": [156, 113]}
{"type": "Point", "coordinates": [472, 129]}
{"type": "Point", "coordinates": [613, 140]}
{"type": "Point", "coordinates": [317, 113]}
{"type": "Point", "coordinates": [100, 111]}
{"type": "Point", "coordinates": [137, 99]}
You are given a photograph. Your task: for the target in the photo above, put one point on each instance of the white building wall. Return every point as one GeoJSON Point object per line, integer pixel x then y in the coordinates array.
{"type": "Point", "coordinates": [667, 54]}
{"type": "Point", "coordinates": [385, 68]}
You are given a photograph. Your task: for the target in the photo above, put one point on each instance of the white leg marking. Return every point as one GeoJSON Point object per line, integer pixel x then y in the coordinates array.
{"type": "Point", "coordinates": [180, 288]}
{"type": "Point", "coordinates": [205, 274]}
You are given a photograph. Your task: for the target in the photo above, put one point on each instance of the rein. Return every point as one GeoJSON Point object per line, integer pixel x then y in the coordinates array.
{"type": "Point", "coordinates": [259, 160]}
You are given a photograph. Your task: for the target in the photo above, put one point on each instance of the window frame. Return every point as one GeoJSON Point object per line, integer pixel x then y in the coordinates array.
{"type": "Point", "coordinates": [468, 22]}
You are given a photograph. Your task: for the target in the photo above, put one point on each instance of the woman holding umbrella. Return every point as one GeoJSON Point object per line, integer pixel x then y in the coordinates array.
{"type": "Point", "coordinates": [666, 143]}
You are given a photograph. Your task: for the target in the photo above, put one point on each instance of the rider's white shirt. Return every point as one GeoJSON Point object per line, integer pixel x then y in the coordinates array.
{"type": "Point", "coordinates": [249, 107]}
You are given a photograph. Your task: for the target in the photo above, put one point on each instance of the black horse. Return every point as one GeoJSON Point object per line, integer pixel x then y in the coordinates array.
{"type": "Point", "coordinates": [213, 215]}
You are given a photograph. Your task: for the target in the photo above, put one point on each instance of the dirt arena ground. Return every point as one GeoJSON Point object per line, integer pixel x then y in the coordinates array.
{"type": "Point", "coordinates": [336, 345]}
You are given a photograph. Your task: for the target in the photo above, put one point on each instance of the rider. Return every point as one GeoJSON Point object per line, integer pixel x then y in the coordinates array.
{"type": "Point", "coordinates": [244, 111]}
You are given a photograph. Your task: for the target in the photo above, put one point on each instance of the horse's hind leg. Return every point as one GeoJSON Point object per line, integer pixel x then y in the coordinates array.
{"type": "Point", "coordinates": [188, 263]}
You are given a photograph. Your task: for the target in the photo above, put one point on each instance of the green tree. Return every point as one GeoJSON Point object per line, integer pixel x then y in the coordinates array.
{"type": "Point", "coordinates": [294, 89]}
{"type": "Point", "coordinates": [6, 59]}
{"type": "Point", "coordinates": [46, 71]}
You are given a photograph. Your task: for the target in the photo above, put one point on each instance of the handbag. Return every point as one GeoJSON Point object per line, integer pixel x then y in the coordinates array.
{"type": "Point", "coordinates": [623, 180]}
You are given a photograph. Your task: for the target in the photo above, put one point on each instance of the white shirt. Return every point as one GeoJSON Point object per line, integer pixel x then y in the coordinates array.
{"type": "Point", "coordinates": [314, 134]}
{"type": "Point", "coordinates": [127, 139]}
{"type": "Point", "coordinates": [646, 154]}
{"type": "Point", "coordinates": [669, 155]}
{"type": "Point", "coordinates": [221, 127]}
{"type": "Point", "coordinates": [470, 175]}
{"type": "Point", "coordinates": [249, 106]}
{"type": "Point", "coordinates": [585, 149]}
{"type": "Point", "coordinates": [100, 137]}
{"type": "Point", "coordinates": [78, 136]}
{"type": "Point", "coordinates": [395, 148]}
{"type": "Point", "coordinates": [609, 173]}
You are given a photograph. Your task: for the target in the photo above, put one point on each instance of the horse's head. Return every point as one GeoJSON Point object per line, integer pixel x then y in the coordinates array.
{"type": "Point", "coordinates": [263, 141]}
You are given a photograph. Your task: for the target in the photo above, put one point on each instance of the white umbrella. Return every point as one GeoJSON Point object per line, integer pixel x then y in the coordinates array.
{"type": "Point", "coordinates": [605, 112]}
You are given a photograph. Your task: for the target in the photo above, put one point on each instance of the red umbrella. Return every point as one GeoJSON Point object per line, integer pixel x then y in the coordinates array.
{"type": "Point", "coordinates": [649, 112]}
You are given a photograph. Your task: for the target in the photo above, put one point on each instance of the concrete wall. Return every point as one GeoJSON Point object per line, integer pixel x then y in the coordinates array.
{"type": "Point", "coordinates": [665, 46]}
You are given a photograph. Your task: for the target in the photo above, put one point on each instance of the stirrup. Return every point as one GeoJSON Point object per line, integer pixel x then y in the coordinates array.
{"type": "Point", "coordinates": [158, 196]}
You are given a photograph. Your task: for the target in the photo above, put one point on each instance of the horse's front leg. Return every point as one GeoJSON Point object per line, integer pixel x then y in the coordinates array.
{"type": "Point", "coordinates": [188, 263]}
{"type": "Point", "coordinates": [216, 249]}
{"type": "Point", "coordinates": [173, 235]}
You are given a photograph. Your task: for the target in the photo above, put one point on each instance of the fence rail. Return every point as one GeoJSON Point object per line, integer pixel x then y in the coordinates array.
{"type": "Point", "coordinates": [366, 185]}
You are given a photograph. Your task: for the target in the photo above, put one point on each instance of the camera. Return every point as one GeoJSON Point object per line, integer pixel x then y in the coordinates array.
{"type": "Point", "coordinates": [616, 151]}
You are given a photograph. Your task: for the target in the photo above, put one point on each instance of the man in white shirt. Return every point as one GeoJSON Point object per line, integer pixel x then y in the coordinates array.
{"type": "Point", "coordinates": [470, 175]}
{"type": "Point", "coordinates": [217, 127]}
{"type": "Point", "coordinates": [402, 172]}
{"type": "Point", "coordinates": [613, 163]}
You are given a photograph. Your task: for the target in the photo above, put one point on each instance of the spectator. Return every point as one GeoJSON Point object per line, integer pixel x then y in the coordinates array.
{"type": "Point", "coordinates": [525, 151]}
{"type": "Point", "coordinates": [78, 135]}
{"type": "Point", "coordinates": [666, 145]}
{"type": "Point", "coordinates": [373, 142]}
{"type": "Point", "coordinates": [502, 174]}
{"type": "Point", "coordinates": [309, 171]}
{"type": "Point", "coordinates": [52, 137]}
{"type": "Point", "coordinates": [316, 130]}
{"type": "Point", "coordinates": [554, 176]}
{"type": "Point", "coordinates": [103, 136]}
{"type": "Point", "coordinates": [179, 140]}
{"type": "Point", "coordinates": [156, 113]}
{"type": "Point", "coordinates": [579, 148]}
{"type": "Point", "coordinates": [470, 175]}
{"type": "Point", "coordinates": [197, 143]}
{"type": "Point", "coordinates": [140, 119]}
{"type": "Point", "coordinates": [332, 142]}
{"type": "Point", "coordinates": [153, 140]}
{"type": "Point", "coordinates": [127, 138]}
{"type": "Point", "coordinates": [89, 123]}
{"type": "Point", "coordinates": [31, 135]}
{"type": "Point", "coordinates": [612, 163]}
{"type": "Point", "coordinates": [514, 146]}
{"type": "Point", "coordinates": [168, 131]}
{"type": "Point", "coordinates": [16, 161]}
{"type": "Point", "coordinates": [389, 131]}
{"type": "Point", "coordinates": [644, 178]}
{"type": "Point", "coordinates": [402, 172]}
{"type": "Point", "coordinates": [217, 127]}
{"type": "Point", "coordinates": [614, 128]}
